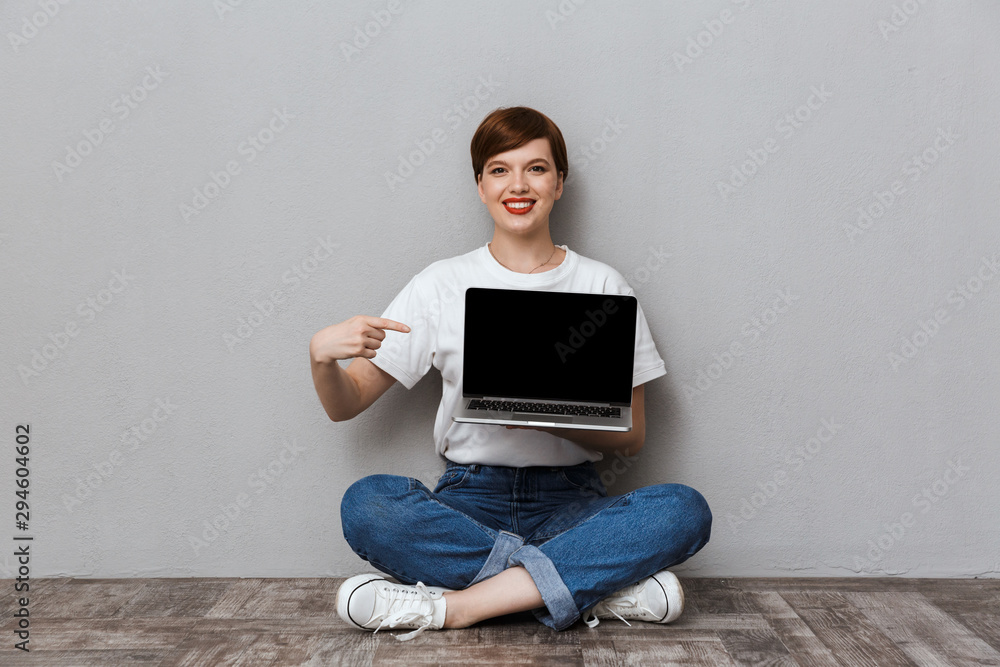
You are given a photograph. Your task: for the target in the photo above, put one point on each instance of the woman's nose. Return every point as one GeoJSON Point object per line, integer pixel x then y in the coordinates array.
{"type": "Point", "coordinates": [519, 183]}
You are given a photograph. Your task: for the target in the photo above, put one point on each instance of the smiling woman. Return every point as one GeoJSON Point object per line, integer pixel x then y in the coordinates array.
{"type": "Point", "coordinates": [520, 163]}
{"type": "Point", "coordinates": [520, 520]}
{"type": "Point", "coordinates": [519, 188]}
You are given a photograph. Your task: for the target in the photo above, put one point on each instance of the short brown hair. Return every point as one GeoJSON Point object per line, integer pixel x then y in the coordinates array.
{"type": "Point", "coordinates": [505, 129]}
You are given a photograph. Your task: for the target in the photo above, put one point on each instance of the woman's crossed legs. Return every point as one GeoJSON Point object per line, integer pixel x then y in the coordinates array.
{"type": "Point", "coordinates": [516, 539]}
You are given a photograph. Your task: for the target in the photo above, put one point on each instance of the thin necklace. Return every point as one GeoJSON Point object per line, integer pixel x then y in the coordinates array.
{"type": "Point", "coordinates": [533, 270]}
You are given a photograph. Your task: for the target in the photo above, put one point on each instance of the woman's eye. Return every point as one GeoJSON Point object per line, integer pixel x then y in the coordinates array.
{"type": "Point", "coordinates": [496, 169]}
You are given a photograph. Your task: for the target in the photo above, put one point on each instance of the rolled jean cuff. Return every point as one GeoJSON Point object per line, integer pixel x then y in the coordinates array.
{"type": "Point", "coordinates": [560, 610]}
{"type": "Point", "coordinates": [496, 562]}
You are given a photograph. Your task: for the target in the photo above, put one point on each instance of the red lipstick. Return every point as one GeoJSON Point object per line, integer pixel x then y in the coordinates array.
{"type": "Point", "coordinates": [518, 200]}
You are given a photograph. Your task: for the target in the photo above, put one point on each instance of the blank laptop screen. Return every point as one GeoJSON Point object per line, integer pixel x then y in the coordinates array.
{"type": "Point", "coordinates": [549, 345]}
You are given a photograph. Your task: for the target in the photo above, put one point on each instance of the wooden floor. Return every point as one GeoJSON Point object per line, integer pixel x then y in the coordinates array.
{"type": "Point", "coordinates": [878, 622]}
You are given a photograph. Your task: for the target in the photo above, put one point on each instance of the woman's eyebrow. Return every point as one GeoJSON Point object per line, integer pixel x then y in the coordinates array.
{"type": "Point", "coordinates": [501, 162]}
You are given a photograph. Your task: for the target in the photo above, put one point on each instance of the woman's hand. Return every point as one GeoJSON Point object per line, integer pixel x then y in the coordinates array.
{"type": "Point", "coordinates": [358, 336]}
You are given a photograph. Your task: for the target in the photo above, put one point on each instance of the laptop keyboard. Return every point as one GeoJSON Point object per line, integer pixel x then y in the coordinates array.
{"type": "Point", "coordinates": [545, 408]}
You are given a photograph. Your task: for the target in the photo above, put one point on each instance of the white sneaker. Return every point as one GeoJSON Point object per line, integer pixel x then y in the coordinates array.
{"type": "Point", "coordinates": [657, 599]}
{"type": "Point", "coordinates": [370, 602]}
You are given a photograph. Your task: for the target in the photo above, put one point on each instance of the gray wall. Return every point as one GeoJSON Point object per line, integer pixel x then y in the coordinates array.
{"type": "Point", "coordinates": [158, 310]}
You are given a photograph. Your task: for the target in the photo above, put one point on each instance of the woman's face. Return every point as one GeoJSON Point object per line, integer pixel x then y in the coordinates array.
{"type": "Point", "coordinates": [519, 187]}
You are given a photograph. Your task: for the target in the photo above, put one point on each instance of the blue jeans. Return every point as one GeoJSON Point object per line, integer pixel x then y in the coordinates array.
{"type": "Point", "coordinates": [578, 544]}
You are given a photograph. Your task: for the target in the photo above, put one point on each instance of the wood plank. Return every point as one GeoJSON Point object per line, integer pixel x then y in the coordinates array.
{"type": "Point", "coordinates": [88, 658]}
{"type": "Point", "coordinates": [844, 630]}
{"type": "Point", "coordinates": [720, 596]}
{"type": "Point", "coordinates": [794, 633]}
{"type": "Point", "coordinates": [793, 584]}
{"type": "Point", "coordinates": [199, 650]}
{"type": "Point", "coordinates": [522, 629]}
{"type": "Point", "coordinates": [234, 598]}
{"type": "Point", "coordinates": [672, 653]}
{"type": "Point", "coordinates": [642, 632]}
{"type": "Point", "coordinates": [75, 634]}
{"type": "Point", "coordinates": [973, 603]}
{"type": "Point", "coordinates": [691, 623]}
{"type": "Point", "coordinates": [349, 658]}
{"type": "Point", "coordinates": [271, 648]}
{"type": "Point", "coordinates": [279, 598]}
{"type": "Point", "coordinates": [924, 632]}
{"type": "Point", "coordinates": [86, 598]}
{"type": "Point", "coordinates": [38, 589]}
{"type": "Point", "coordinates": [352, 648]}
{"type": "Point", "coordinates": [756, 647]}
{"type": "Point", "coordinates": [415, 652]}
{"type": "Point", "coordinates": [182, 597]}
{"type": "Point", "coordinates": [264, 647]}
{"type": "Point", "coordinates": [702, 621]}
{"type": "Point", "coordinates": [986, 625]}
{"type": "Point", "coordinates": [299, 597]}
{"type": "Point", "coordinates": [962, 590]}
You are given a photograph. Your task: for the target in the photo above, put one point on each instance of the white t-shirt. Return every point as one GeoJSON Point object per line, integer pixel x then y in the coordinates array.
{"type": "Point", "coordinates": [432, 304]}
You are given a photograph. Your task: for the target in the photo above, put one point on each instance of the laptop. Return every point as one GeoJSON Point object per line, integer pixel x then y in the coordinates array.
{"type": "Point", "coordinates": [542, 358]}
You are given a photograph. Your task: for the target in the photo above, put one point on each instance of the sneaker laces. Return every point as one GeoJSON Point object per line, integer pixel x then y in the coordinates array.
{"type": "Point", "coordinates": [410, 600]}
{"type": "Point", "coordinates": [625, 601]}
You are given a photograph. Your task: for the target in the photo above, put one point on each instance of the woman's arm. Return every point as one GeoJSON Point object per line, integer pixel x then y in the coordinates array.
{"type": "Point", "coordinates": [345, 393]}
